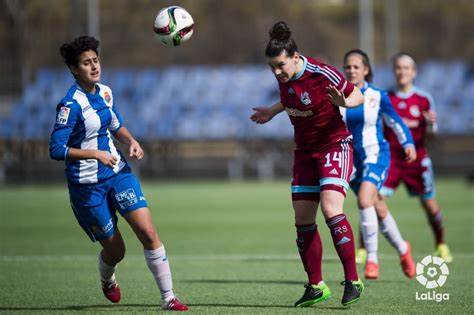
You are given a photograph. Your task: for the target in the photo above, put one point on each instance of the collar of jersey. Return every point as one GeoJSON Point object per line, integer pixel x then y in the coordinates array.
{"type": "Point", "coordinates": [365, 86]}
{"type": "Point", "coordinates": [406, 94]}
{"type": "Point", "coordinates": [299, 74]}
{"type": "Point", "coordinates": [97, 90]}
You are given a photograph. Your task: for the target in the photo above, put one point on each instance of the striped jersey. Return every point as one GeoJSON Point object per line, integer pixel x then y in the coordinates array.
{"type": "Point", "coordinates": [411, 106]}
{"type": "Point", "coordinates": [86, 121]}
{"type": "Point", "coordinates": [317, 122]}
{"type": "Point", "coordinates": [365, 124]}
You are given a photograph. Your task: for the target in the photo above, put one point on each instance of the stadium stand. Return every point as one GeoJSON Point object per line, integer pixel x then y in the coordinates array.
{"type": "Point", "coordinates": [193, 122]}
{"type": "Point", "coordinates": [206, 102]}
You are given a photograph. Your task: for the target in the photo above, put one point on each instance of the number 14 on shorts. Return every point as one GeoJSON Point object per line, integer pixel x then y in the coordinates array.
{"type": "Point", "coordinates": [336, 157]}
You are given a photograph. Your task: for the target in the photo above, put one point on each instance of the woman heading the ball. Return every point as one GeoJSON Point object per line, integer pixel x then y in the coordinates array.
{"type": "Point", "coordinates": [311, 94]}
{"type": "Point", "coordinates": [372, 161]}
{"type": "Point", "coordinates": [100, 180]}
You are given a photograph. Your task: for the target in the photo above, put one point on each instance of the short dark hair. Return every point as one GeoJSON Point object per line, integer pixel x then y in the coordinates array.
{"type": "Point", "coordinates": [280, 40]}
{"type": "Point", "coordinates": [71, 51]}
{"type": "Point", "coordinates": [369, 77]}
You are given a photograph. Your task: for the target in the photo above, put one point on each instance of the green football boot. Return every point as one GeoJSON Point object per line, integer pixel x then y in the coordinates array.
{"type": "Point", "coordinates": [352, 291]}
{"type": "Point", "coordinates": [442, 250]}
{"type": "Point", "coordinates": [314, 294]}
{"type": "Point", "coordinates": [361, 256]}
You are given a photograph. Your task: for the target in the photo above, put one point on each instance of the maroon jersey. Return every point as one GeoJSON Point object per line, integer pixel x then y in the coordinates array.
{"type": "Point", "coordinates": [316, 121]}
{"type": "Point", "coordinates": [411, 107]}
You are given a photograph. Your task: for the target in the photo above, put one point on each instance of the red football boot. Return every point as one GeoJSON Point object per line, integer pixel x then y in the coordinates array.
{"type": "Point", "coordinates": [407, 263]}
{"type": "Point", "coordinates": [175, 305]}
{"type": "Point", "coordinates": [372, 270]}
{"type": "Point", "coordinates": [111, 291]}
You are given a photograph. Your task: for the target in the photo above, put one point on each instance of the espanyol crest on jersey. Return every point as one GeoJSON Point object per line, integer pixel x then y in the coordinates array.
{"type": "Point", "coordinates": [107, 98]}
{"type": "Point", "coordinates": [305, 98]}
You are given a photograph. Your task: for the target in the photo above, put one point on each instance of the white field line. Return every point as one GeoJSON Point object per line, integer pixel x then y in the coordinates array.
{"type": "Point", "coordinates": [179, 257]}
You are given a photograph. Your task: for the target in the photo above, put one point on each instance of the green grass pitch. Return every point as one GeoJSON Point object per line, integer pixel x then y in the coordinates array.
{"type": "Point", "coordinates": [232, 251]}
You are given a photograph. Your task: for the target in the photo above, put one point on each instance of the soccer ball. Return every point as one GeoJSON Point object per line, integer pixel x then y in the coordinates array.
{"type": "Point", "coordinates": [173, 26]}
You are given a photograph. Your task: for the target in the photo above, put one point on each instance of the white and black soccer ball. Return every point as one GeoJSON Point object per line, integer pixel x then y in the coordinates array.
{"type": "Point", "coordinates": [173, 26]}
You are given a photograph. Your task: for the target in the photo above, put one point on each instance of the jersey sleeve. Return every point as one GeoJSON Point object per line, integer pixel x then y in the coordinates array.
{"type": "Point", "coordinates": [393, 121]}
{"type": "Point", "coordinates": [67, 116]}
{"type": "Point", "coordinates": [337, 79]}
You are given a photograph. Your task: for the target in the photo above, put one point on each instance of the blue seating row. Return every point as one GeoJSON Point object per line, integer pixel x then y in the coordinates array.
{"type": "Point", "coordinates": [214, 102]}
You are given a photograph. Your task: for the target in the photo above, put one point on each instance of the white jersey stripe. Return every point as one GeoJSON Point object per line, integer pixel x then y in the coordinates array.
{"type": "Point", "coordinates": [343, 157]}
{"type": "Point", "coordinates": [327, 72]}
{"type": "Point", "coordinates": [331, 73]}
{"type": "Point", "coordinates": [346, 159]}
{"type": "Point", "coordinates": [88, 168]}
{"type": "Point", "coordinates": [113, 150]}
{"type": "Point", "coordinates": [115, 123]}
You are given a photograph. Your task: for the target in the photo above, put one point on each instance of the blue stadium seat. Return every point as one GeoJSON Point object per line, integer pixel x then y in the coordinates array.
{"type": "Point", "coordinates": [215, 102]}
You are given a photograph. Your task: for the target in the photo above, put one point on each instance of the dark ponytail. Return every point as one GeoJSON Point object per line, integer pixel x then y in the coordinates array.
{"type": "Point", "coordinates": [369, 77]}
{"type": "Point", "coordinates": [280, 40]}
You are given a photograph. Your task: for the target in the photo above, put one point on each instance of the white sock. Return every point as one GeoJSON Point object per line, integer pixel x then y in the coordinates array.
{"type": "Point", "coordinates": [369, 229]}
{"type": "Point", "coordinates": [107, 273]}
{"type": "Point", "coordinates": [389, 228]}
{"type": "Point", "coordinates": [160, 268]}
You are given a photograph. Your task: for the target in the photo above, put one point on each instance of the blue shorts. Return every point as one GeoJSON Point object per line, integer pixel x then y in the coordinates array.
{"type": "Point", "coordinates": [369, 172]}
{"type": "Point", "coordinates": [95, 204]}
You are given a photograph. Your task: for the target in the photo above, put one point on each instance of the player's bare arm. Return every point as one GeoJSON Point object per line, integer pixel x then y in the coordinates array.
{"type": "Point", "coordinates": [430, 116]}
{"type": "Point", "coordinates": [134, 148]}
{"type": "Point", "coordinates": [265, 114]}
{"type": "Point", "coordinates": [431, 121]}
{"type": "Point", "coordinates": [336, 97]}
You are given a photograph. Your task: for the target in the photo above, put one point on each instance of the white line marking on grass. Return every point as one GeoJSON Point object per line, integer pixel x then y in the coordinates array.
{"type": "Point", "coordinates": [188, 257]}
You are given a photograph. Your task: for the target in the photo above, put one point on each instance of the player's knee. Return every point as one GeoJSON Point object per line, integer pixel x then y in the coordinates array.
{"type": "Point", "coordinates": [381, 213]}
{"type": "Point", "coordinates": [365, 201]}
{"type": "Point", "coordinates": [148, 236]}
{"type": "Point", "coordinates": [115, 254]}
{"type": "Point", "coordinates": [305, 211]}
{"type": "Point", "coordinates": [119, 255]}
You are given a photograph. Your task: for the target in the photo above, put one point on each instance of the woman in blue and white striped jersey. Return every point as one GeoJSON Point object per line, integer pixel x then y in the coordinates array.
{"type": "Point", "coordinates": [372, 160]}
{"type": "Point", "coordinates": [100, 180]}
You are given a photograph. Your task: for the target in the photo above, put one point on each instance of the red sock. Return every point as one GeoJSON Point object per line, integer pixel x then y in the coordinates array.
{"type": "Point", "coordinates": [311, 251]}
{"type": "Point", "coordinates": [343, 240]}
{"type": "Point", "coordinates": [436, 222]}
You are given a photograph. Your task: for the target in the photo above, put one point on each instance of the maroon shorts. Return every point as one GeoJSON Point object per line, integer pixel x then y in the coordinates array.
{"type": "Point", "coordinates": [315, 171]}
{"type": "Point", "coordinates": [417, 177]}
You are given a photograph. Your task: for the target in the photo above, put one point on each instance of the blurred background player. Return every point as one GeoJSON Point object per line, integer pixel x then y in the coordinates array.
{"type": "Point", "coordinates": [416, 107]}
{"type": "Point", "coordinates": [309, 91]}
{"type": "Point", "coordinates": [99, 178]}
{"type": "Point", "coordinates": [372, 160]}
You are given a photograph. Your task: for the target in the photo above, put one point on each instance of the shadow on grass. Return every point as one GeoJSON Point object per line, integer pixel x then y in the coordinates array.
{"type": "Point", "coordinates": [279, 260]}
{"type": "Point", "coordinates": [125, 307]}
{"type": "Point", "coordinates": [118, 307]}
{"type": "Point", "coordinates": [214, 281]}
{"type": "Point", "coordinates": [263, 306]}
{"type": "Point", "coordinates": [226, 281]}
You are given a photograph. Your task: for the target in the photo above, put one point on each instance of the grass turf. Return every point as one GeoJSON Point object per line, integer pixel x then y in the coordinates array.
{"type": "Point", "coordinates": [231, 248]}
